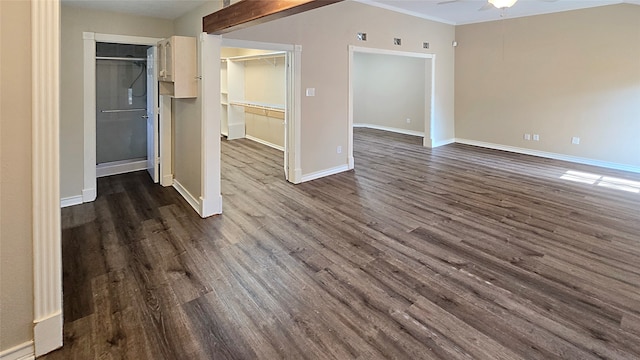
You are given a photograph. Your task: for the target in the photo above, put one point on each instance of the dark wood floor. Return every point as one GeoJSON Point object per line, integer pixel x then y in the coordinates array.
{"type": "Point", "coordinates": [452, 253]}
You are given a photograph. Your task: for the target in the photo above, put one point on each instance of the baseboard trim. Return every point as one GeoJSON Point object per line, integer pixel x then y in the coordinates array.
{"type": "Point", "coordinates": [47, 334]}
{"type": "Point", "coordinates": [71, 201]}
{"type": "Point", "coordinates": [264, 142]}
{"type": "Point", "coordinates": [550, 155]}
{"type": "Point", "coordinates": [24, 351]}
{"type": "Point", "coordinates": [323, 173]}
{"type": "Point", "coordinates": [89, 195]}
{"type": "Point", "coordinates": [195, 204]}
{"type": "Point", "coordinates": [120, 167]}
{"type": "Point", "coordinates": [435, 144]}
{"type": "Point", "coordinates": [391, 129]}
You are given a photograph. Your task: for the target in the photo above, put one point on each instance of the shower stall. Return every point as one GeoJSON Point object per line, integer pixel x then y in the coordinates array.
{"type": "Point", "coordinates": [121, 108]}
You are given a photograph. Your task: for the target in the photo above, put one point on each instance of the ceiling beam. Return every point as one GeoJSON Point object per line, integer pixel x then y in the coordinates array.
{"type": "Point", "coordinates": [247, 13]}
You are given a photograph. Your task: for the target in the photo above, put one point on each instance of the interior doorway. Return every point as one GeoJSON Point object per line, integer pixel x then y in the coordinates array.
{"type": "Point", "coordinates": [391, 91]}
{"type": "Point", "coordinates": [123, 104]}
{"type": "Point", "coordinates": [257, 97]}
{"type": "Point", "coordinates": [253, 95]}
{"type": "Point", "coordinates": [121, 115]}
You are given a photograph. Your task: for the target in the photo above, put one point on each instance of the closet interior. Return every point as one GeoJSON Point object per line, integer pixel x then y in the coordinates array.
{"type": "Point", "coordinates": [253, 96]}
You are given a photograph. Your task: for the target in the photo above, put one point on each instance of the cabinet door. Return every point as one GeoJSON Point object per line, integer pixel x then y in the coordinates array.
{"type": "Point", "coordinates": [168, 59]}
{"type": "Point", "coordinates": [162, 51]}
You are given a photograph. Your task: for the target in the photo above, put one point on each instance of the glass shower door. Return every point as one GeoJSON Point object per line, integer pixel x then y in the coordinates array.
{"type": "Point", "coordinates": [121, 128]}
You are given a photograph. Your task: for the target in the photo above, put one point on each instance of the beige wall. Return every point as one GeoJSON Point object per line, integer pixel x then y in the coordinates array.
{"type": "Point", "coordinates": [325, 35]}
{"type": "Point", "coordinates": [16, 264]}
{"type": "Point", "coordinates": [567, 74]}
{"type": "Point", "coordinates": [75, 21]}
{"type": "Point", "coordinates": [265, 82]}
{"type": "Point", "coordinates": [389, 89]}
{"type": "Point", "coordinates": [187, 113]}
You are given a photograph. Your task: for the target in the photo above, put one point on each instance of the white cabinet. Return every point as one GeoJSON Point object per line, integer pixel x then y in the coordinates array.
{"type": "Point", "coordinates": [177, 74]}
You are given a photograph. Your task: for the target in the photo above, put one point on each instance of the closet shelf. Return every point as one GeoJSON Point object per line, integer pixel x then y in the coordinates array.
{"type": "Point", "coordinates": [255, 105]}
{"type": "Point", "coordinates": [121, 110]}
{"type": "Point", "coordinates": [270, 55]}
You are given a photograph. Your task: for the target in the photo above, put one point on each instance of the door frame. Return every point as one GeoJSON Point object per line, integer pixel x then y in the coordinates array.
{"type": "Point", "coordinates": [89, 189]}
{"type": "Point", "coordinates": [428, 122]}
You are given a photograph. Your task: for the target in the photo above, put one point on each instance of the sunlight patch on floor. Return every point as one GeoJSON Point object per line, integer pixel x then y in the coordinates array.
{"type": "Point", "coordinates": [604, 181]}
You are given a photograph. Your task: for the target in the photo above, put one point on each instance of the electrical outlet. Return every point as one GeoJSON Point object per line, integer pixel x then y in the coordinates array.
{"type": "Point", "coordinates": [536, 137]}
{"type": "Point", "coordinates": [339, 150]}
{"type": "Point", "coordinates": [527, 136]}
{"type": "Point", "coordinates": [575, 140]}
{"type": "Point", "coordinates": [408, 121]}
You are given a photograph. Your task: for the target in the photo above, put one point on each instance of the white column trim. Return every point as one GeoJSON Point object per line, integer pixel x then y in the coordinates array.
{"type": "Point", "coordinates": [211, 199]}
{"type": "Point", "coordinates": [47, 249]}
{"type": "Point", "coordinates": [89, 189]}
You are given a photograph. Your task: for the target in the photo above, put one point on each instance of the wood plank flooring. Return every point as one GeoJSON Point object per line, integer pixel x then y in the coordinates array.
{"type": "Point", "coordinates": [452, 253]}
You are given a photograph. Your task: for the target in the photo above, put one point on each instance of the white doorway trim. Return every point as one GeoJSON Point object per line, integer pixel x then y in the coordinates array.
{"type": "Point", "coordinates": [89, 189]}
{"type": "Point", "coordinates": [292, 158]}
{"type": "Point", "coordinates": [211, 45]}
{"type": "Point", "coordinates": [429, 123]}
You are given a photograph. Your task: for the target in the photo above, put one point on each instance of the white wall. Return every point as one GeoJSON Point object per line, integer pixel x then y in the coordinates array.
{"type": "Point", "coordinates": [389, 89]}
{"type": "Point", "coordinates": [16, 240]}
{"type": "Point", "coordinates": [325, 35]}
{"type": "Point", "coordinates": [75, 21]}
{"type": "Point", "coordinates": [574, 73]}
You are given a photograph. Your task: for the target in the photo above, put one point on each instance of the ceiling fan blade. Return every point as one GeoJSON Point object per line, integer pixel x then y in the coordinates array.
{"type": "Point", "coordinates": [487, 6]}
{"type": "Point", "coordinates": [446, 2]}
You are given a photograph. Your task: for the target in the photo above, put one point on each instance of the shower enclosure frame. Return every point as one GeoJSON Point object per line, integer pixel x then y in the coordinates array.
{"type": "Point", "coordinates": [89, 190]}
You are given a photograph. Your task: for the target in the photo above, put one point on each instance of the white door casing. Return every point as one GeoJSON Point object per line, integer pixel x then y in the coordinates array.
{"type": "Point", "coordinates": [153, 160]}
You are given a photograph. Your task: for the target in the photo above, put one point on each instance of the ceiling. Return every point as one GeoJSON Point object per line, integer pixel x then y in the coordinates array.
{"type": "Point", "coordinates": [456, 13]}
{"type": "Point", "coordinates": [468, 11]}
{"type": "Point", "coordinates": [165, 9]}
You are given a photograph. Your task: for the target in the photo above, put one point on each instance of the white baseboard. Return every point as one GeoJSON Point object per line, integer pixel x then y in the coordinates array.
{"type": "Point", "coordinates": [264, 142]}
{"type": "Point", "coordinates": [47, 334]}
{"type": "Point", "coordinates": [24, 351]}
{"type": "Point", "coordinates": [89, 195]}
{"type": "Point", "coordinates": [550, 155]}
{"type": "Point", "coordinates": [70, 201]}
{"type": "Point", "coordinates": [211, 206]}
{"type": "Point", "coordinates": [120, 167]}
{"type": "Point", "coordinates": [391, 129]}
{"type": "Point", "coordinates": [435, 144]}
{"type": "Point", "coordinates": [323, 173]}
{"type": "Point", "coordinates": [195, 204]}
